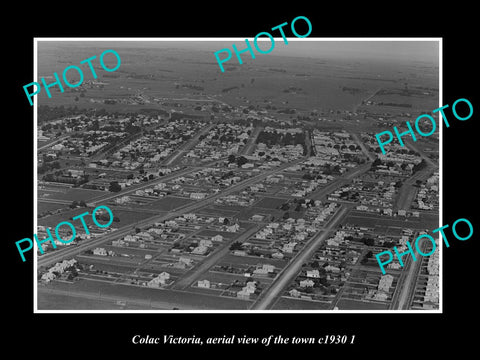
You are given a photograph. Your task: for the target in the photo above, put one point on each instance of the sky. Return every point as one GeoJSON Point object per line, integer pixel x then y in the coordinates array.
{"type": "Point", "coordinates": [427, 51]}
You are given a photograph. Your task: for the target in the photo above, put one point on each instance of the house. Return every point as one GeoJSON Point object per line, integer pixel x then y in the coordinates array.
{"type": "Point", "coordinates": [100, 251]}
{"type": "Point", "coordinates": [388, 212]}
{"type": "Point", "coordinates": [190, 216]}
{"type": "Point", "coordinates": [198, 196]}
{"type": "Point", "coordinates": [294, 293]}
{"type": "Point", "coordinates": [217, 238]}
{"type": "Point", "coordinates": [200, 250]}
{"type": "Point", "coordinates": [332, 268]}
{"type": "Point", "coordinates": [277, 255]}
{"type": "Point", "coordinates": [206, 243]}
{"type": "Point", "coordinates": [243, 294]}
{"type": "Point", "coordinates": [402, 213]}
{"type": "Point", "coordinates": [185, 260]}
{"type": "Point", "coordinates": [380, 295]}
{"type": "Point", "coordinates": [232, 228]}
{"type": "Point", "coordinates": [260, 271]}
{"type": "Point", "coordinates": [306, 283]}
{"type": "Point", "coordinates": [258, 217]}
{"type": "Point", "coordinates": [159, 280]}
{"type": "Point", "coordinates": [164, 275]}
{"type": "Point", "coordinates": [313, 273]}
{"type": "Point", "coordinates": [240, 253]}
{"type": "Point", "coordinates": [385, 283]}
{"type": "Point", "coordinates": [268, 267]}
{"type": "Point", "coordinates": [204, 284]}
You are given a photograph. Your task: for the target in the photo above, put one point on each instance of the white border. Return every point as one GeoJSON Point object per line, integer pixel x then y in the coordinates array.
{"type": "Point", "coordinates": [100, 39]}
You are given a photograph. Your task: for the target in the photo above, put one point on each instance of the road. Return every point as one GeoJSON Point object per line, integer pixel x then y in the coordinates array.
{"type": "Point", "coordinates": [414, 147]}
{"type": "Point", "coordinates": [213, 258]}
{"type": "Point", "coordinates": [344, 179]}
{"type": "Point", "coordinates": [70, 251]}
{"type": "Point", "coordinates": [51, 143]}
{"type": "Point", "coordinates": [407, 191]}
{"type": "Point", "coordinates": [248, 148]}
{"type": "Point", "coordinates": [360, 143]}
{"type": "Point", "coordinates": [407, 283]}
{"type": "Point", "coordinates": [368, 98]}
{"type": "Point", "coordinates": [285, 277]}
{"type": "Point", "coordinates": [187, 146]}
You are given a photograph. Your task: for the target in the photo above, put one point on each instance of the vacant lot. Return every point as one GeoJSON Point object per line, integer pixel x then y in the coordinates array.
{"type": "Point", "coordinates": [270, 203]}
{"type": "Point", "coordinates": [168, 203]}
{"type": "Point", "coordinates": [345, 304]}
{"type": "Point", "coordinates": [44, 206]}
{"type": "Point", "coordinates": [298, 304]}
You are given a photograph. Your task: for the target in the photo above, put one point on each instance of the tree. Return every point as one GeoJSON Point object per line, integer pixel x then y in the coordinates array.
{"type": "Point", "coordinates": [241, 160]}
{"type": "Point", "coordinates": [82, 203]}
{"type": "Point", "coordinates": [309, 290]}
{"type": "Point", "coordinates": [114, 186]}
{"type": "Point", "coordinates": [376, 162]}
{"type": "Point", "coordinates": [368, 241]}
{"type": "Point", "coordinates": [236, 246]}
{"type": "Point", "coordinates": [367, 256]}
{"type": "Point", "coordinates": [231, 158]}
{"type": "Point", "coordinates": [74, 204]}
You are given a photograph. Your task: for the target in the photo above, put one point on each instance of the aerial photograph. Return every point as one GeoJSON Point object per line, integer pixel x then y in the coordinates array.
{"type": "Point", "coordinates": [260, 187]}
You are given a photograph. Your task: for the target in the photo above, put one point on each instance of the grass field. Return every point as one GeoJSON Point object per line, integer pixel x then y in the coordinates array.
{"type": "Point", "coordinates": [166, 299]}
{"type": "Point", "coordinates": [168, 203]}
{"type": "Point", "coordinates": [269, 203]}
{"type": "Point", "coordinates": [44, 206]}
{"type": "Point", "coordinates": [232, 260]}
{"type": "Point", "coordinates": [372, 220]}
{"type": "Point", "coordinates": [346, 304]}
{"type": "Point", "coordinates": [70, 194]}
{"type": "Point", "coordinates": [285, 303]}
{"type": "Point", "coordinates": [126, 218]}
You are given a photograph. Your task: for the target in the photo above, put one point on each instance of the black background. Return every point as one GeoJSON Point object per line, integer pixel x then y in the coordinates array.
{"type": "Point", "coordinates": [376, 334]}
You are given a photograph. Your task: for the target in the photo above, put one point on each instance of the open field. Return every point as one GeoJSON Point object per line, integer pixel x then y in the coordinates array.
{"type": "Point", "coordinates": [70, 194]}
{"type": "Point", "coordinates": [287, 303]}
{"type": "Point", "coordinates": [345, 304]}
{"type": "Point", "coordinates": [365, 219]}
{"type": "Point", "coordinates": [168, 203]}
{"type": "Point", "coordinates": [144, 295]}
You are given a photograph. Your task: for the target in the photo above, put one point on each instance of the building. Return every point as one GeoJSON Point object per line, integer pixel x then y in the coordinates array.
{"type": "Point", "coordinates": [258, 217]}
{"type": "Point", "coordinates": [385, 283]}
{"type": "Point", "coordinates": [204, 284]}
{"type": "Point", "coordinates": [294, 293]}
{"type": "Point", "coordinates": [306, 283]}
{"type": "Point", "coordinates": [100, 252]}
{"type": "Point", "coordinates": [218, 238]}
{"type": "Point", "coordinates": [313, 273]}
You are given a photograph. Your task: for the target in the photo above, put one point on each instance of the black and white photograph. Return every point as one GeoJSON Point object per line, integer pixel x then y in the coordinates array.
{"type": "Point", "coordinates": [293, 181]}
{"type": "Point", "coordinates": [259, 187]}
